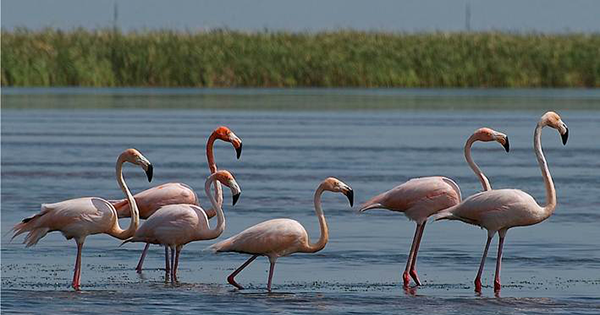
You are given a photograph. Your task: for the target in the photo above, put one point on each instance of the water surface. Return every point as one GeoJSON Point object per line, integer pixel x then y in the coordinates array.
{"type": "Point", "coordinates": [63, 143]}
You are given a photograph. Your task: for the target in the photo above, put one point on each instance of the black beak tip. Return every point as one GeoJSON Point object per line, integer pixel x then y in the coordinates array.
{"type": "Point", "coordinates": [506, 145]}
{"type": "Point", "coordinates": [150, 172]}
{"type": "Point", "coordinates": [235, 198]}
{"type": "Point", "coordinates": [565, 137]}
{"type": "Point", "coordinates": [238, 150]}
{"type": "Point", "coordinates": [350, 196]}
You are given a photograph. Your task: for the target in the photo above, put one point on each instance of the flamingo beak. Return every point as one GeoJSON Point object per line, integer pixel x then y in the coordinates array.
{"type": "Point", "coordinates": [150, 172]}
{"type": "Point", "coordinates": [238, 150]}
{"type": "Point", "coordinates": [350, 195]}
{"type": "Point", "coordinates": [565, 136]}
{"type": "Point", "coordinates": [235, 198]}
{"type": "Point", "coordinates": [506, 145]}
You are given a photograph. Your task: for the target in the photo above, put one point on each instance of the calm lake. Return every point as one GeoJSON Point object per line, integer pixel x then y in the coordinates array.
{"type": "Point", "coordinates": [59, 144]}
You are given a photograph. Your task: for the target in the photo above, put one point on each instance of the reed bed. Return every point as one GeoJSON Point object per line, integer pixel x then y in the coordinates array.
{"type": "Point", "coordinates": [345, 58]}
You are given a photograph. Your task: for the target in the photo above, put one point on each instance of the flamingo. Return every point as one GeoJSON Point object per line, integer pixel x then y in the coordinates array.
{"type": "Point", "coordinates": [150, 200]}
{"type": "Point", "coordinates": [501, 209]}
{"type": "Point", "coordinates": [173, 226]}
{"type": "Point", "coordinates": [281, 237]}
{"type": "Point", "coordinates": [80, 217]}
{"type": "Point", "coordinates": [419, 198]}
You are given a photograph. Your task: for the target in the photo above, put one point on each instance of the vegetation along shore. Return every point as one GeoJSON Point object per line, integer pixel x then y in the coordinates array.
{"type": "Point", "coordinates": [345, 58]}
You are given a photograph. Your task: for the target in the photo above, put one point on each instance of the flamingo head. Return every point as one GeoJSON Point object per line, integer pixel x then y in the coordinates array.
{"type": "Point", "coordinates": [553, 120]}
{"type": "Point", "coordinates": [335, 185]}
{"type": "Point", "coordinates": [488, 134]}
{"type": "Point", "coordinates": [135, 157]}
{"type": "Point", "coordinates": [227, 179]}
{"type": "Point", "coordinates": [225, 134]}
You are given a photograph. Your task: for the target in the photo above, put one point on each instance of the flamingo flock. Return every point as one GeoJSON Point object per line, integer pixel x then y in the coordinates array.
{"type": "Point", "coordinates": [174, 217]}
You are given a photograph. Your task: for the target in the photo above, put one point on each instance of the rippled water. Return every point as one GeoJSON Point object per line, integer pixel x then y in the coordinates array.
{"type": "Point", "coordinates": [51, 154]}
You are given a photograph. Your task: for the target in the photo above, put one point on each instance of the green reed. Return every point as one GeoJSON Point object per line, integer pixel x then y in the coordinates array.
{"type": "Point", "coordinates": [345, 58]}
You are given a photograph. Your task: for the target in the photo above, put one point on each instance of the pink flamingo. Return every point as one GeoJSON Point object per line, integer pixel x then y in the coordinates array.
{"type": "Point", "coordinates": [80, 217]}
{"type": "Point", "coordinates": [150, 200]}
{"type": "Point", "coordinates": [173, 226]}
{"type": "Point", "coordinates": [502, 209]}
{"type": "Point", "coordinates": [281, 237]}
{"type": "Point", "coordinates": [419, 198]}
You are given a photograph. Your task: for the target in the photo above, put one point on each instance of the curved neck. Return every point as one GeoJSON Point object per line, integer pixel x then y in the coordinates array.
{"type": "Point", "coordinates": [550, 191]}
{"type": "Point", "coordinates": [212, 166]}
{"type": "Point", "coordinates": [117, 231]}
{"type": "Point", "coordinates": [324, 237]}
{"type": "Point", "coordinates": [485, 183]}
{"type": "Point", "coordinates": [216, 232]}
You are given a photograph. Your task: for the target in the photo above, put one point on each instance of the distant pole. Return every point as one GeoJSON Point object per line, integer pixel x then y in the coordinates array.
{"type": "Point", "coordinates": [468, 16]}
{"type": "Point", "coordinates": [115, 16]}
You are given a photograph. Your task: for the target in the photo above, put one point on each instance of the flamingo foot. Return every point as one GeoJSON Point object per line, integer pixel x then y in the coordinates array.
{"type": "Point", "coordinates": [413, 274]}
{"type": "Point", "coordinates": [497, 286]}
{"type": "Point", "coordinates": [233, 283]}
{"type": "Point", "coordinates": [478, 285]}
{"type": "Point", "coordinates": [406, 278]}
{"type": "Point", "coordinates": [138, 269]}
{"type": "Point", "coordinates": [75, 286]}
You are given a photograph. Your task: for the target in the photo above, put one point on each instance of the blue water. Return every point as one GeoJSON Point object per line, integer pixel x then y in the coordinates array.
{"type": "Point", "coordinates": [63, 143]}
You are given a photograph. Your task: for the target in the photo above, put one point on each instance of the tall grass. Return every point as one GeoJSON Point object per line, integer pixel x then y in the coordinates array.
{"type": "Point", "coordinates": [279, 59]}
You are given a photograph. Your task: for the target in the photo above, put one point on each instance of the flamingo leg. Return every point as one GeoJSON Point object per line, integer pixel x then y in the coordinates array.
{"type": "Point", "coordinates": [177, 252]}
{"type": "Point", "coordinates": [498, 263]}
{"type": "Point", "coordinates": [77, 273]}
{"type": "Point", "coordinates": [478, 278]}
{"type": "Point", "coordinates": [406, 274]}
{"type": "Point", "coordinates": [413, 268]}
{"type": "Point", "coordinates": [172, 264]}
{"type": "Point", "coordinates": [141, 262]}
{"type": "Point", "coordinates": [231, 278]}
{"type": "Point", "coordinates": [167, 267]}
{"type": "Point", "coordinates": [271, 269]}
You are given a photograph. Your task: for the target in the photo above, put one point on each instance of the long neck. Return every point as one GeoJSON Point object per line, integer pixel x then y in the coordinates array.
{"type": "Point", "coordinates": [117, 231]}
{"type": "Point", "coordinates": [212, 166]}
{"type": "Point", "coordinates": [216, 232]}
{"type": "Point", "coordinates": [484, 181]}
{"type": "Point", "coordinates": [550, 191]}
{"type": "Point", "coordinates": [320, 244]}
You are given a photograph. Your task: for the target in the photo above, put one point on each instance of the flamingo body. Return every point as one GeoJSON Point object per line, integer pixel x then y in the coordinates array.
{"type": "Point", "coordinates": [497, 209]}
{"type": "Point", "coordinates": [150, 200]}
{"type": "Point", "coordinates": [273, 238]}
{"type": "Point", "coordinates": [173, 225]}
{"type": "Point", "coordinates": [418, 198]}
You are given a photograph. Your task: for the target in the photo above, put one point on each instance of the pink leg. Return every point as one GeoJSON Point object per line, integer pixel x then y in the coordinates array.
{"type": "Point", "coordinates": [141, 262]}
{"type": "Point", "coordinates": [413, 268]}
{"type": "Point", "coordinates": [77, 273]}
{"type": "Point", "coordinates": [177, 252]}
{"type": "Point", "coordinates": [406, 274]}
{"type": "Point", "coordinates": [231, 278]}
{"type": "Point", "coordinates": [271, 269]}
{"type": "Point", "coordinates": [167, 267]}
{"type": "Point", "coordinates": [478, 278]}
{"type": "Point", "coordinates": [498, 262]}
{"type": "Point", "coordinates": [172, 264]}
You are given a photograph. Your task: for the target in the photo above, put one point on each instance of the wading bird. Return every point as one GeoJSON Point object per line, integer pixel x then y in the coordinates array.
{"type": "Point", "coordinates": [78, 218]}
{"type": "Point", "coordinates": [419, 198]}
{"type": "Point", "coordinates": [281, 237]}
{"type": "Point", "coordinates": [501, 209]}
{"type": "Point", "coordinates": [173, 226]}
{"type": "Point", "coordinates": [150, 200]}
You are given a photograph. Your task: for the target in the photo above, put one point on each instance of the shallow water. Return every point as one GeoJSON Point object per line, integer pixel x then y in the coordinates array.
{"type": "Point", "coordinates": [51, 154]}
